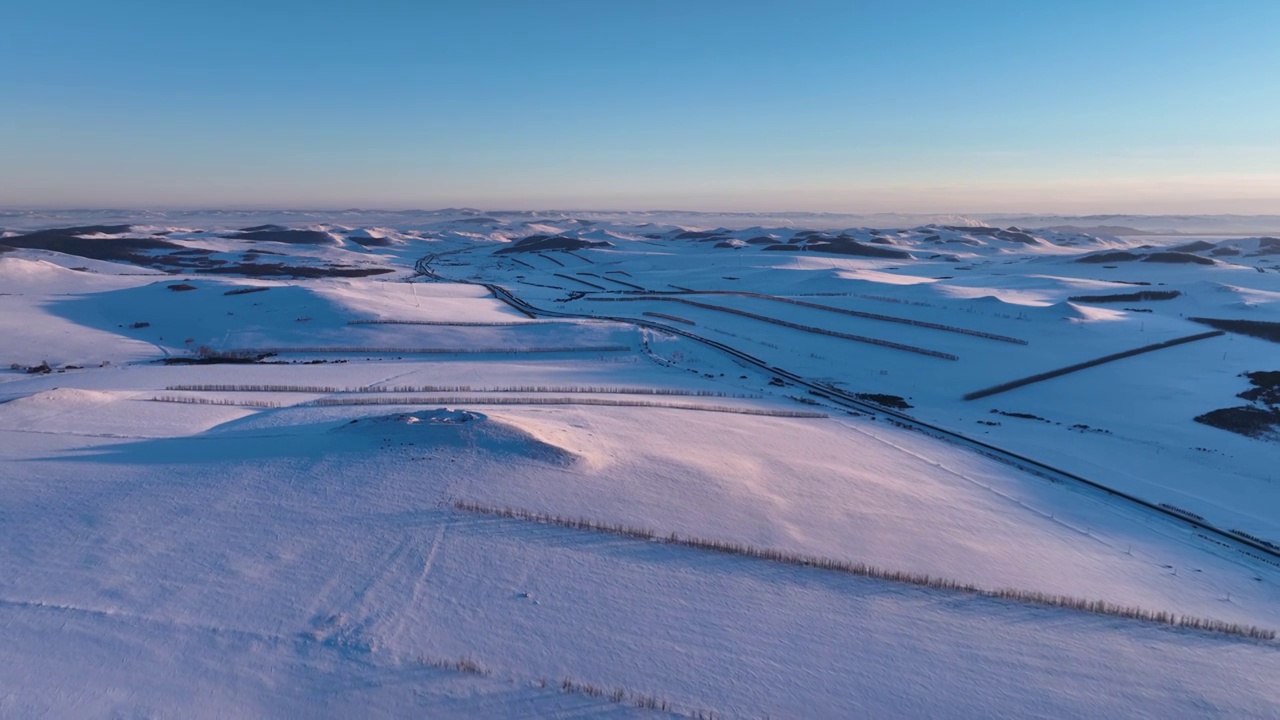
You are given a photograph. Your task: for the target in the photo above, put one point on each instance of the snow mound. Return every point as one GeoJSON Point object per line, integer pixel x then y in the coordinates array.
{"type": "Point", "coordinates": [457, 430]}
{"type": "Point", "coordinates": [66, 395]}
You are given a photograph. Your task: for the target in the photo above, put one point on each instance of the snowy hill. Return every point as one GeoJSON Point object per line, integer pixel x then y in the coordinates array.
{"type": "Point", "coordinates": [461, 463]}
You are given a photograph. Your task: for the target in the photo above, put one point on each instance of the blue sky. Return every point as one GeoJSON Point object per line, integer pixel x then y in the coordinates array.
{"type": "Point", "coordinates": [913, 106]}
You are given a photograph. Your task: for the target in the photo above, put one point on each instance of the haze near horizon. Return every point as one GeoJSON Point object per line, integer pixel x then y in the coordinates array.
{"type": "Point", "coordinates": [1095, 107]}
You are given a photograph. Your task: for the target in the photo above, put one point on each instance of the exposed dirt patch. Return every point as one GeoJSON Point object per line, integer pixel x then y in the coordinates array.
{"type": "Point", "coordinates": [889, 401]}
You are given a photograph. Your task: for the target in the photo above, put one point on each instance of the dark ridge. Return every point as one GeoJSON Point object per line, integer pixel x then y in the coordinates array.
{"type": "Point", "coordinates": [852, 247]}
{"type": "Point", "coordinates": [1141, 296]}
{"type": "Point", "coordinates": [1253, 328]}
{"type": "Point", "coordinates": [699, 235]}
{"type": "Point", "coordinates": [83, 230]}
{"type": "Point", "coordinates": [292, 237]}
{"type": "Point", "coordinates": [791, 248]}
{"type": "Point", "coordinates": [246, 290]}
{"type": "Point", "coordinates": [725, 244]}
{"type": "Point", "coordinates": [543, 243]}
{"type": "Point", "coordinates": [1177, 257]}
{"type": "Point", "coordinates": [370, 241]}
{"type": "Point", "coordinates": [264, 228]}
{"type": "Point", "coordinates": [1224, 252]}
{"type": "Point", "coordinates": [67, 241]}
{"type": "Point", "coordinates": [6, 248]}
{"type": "Point", "coordinates": [476, 221]}
{"type": "Point", "coordinates": [1109, 257]}
{"type": "Point", "coordinates": [1197, 246]}
{"type": "Point", "coordinates": [190, 252]}
{"type": "Point", "coordinates": [761, 240]}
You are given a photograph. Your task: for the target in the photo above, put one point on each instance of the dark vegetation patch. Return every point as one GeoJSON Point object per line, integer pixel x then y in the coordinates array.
{"type": "Point", "coordinates": [139, 325]}
{"type": "Point", "coordinates": [1247, 420]}
{"type": "Point", "coordinates": [1266, 387]}
{"type": "Point", "coordinates": [1259, 420]}
{"type": "Point", "coordinates": [293, 271]}
{"type": "Point", "coordinates": [843, 246]}
{"type": "Point", "coordinates": [785, 248]}
{"type": "Point", "coordinates": [1177, 257]}
{"type": "Point", "coordinates": [699, 235]}
{"type": "Point", "coordinates": [1253, 328]}
{"type": "Point", "coordinates": [1109, 257]}
{"type": "Point", "coordinates": [1022, 415]}
{"type": "Point", "coordinates": [1141, 296]}
{"type": "Point", "coordinates": [205, 355]}
{"type": "Point", "coordinates": [544, 243]}
{"type": "Point", "coordinates": [761, 240]}
{"type": "Point", "coordinates": [292, 237]}
{"type": "Point", "coordinates": [264, 228]}
{"type": "Point", "coordinates": [1224, 252]}
{"type": "Point", "coordinates": [370, 241]}
{"type": "Point", "coordinates": [889, 401]}
{"type": "Point", "coordinates": [69, 242]}
{"type": "Point", "coordinates": [1012, 234]}
{"type": "Point", "coordinates": [41, 369]}
{"type": "Point", "coordinates": [6, 248]}
{"type": "Point", "coordinates": [182, 287]}
{"type": "Point", "coordinates": [246, 290]}
{"type": "Point", "coordinates": [725, 244]}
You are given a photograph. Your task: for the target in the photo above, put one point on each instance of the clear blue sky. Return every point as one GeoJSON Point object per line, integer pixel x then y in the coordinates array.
{"type": "Point", "coordinates": [895, 105]}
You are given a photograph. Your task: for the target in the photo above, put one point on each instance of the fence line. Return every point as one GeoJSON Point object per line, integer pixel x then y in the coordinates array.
{"type": "Point", "coordinates": [330, 389]}
{"type": "Point", "coordinates": [599, 402]}
{"type": "Point", "coordinates": [1028, 597]}
{"type": "Point", "coordinates": [421, 351]}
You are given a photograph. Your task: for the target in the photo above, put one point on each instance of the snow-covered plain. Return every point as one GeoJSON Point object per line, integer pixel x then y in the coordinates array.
{"type": "Point", "coordinates": [280, 538]}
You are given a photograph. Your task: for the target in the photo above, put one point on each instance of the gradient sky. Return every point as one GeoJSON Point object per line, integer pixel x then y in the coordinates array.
{"type": "Point", "coordinates": [1168, 106]}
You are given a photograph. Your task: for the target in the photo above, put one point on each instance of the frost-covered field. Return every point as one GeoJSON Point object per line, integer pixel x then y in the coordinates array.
{"type": "Point", "coordinates": [234, 449]}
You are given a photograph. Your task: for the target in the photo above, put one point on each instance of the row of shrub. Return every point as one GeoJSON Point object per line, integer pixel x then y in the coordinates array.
{"type": "Point", "coordinates": [1254, 328]}
{"type": "Point", "coordinates": [579, 280]}
{"type": "Point", "coordinates": [215, 401]}
{"type": "Point", "coordinates": [449, 323]}
{"type": "Point", "coordinates": [795, 326]}
{"type": "Point", "coordinates": [1255, 538]}
{"type": "Point", "coordinates": [329, 389]}
{"type": "Point", "coordinates": [1030, 597]}
{"type": "Point", "coordinates": [601, 402]}
{"type": "Point", "coordinates": [617, 695]}
{"type": "Point", "coordinates": [1185, 513]}
{"type": "Point", "coordinates": [1140, 296]}
{"type": "Point", "coordinates": [259, 352]}
{"type": "Point", "coordinates": [883, 318]}
{"type": "Point", "coordinates": [672, 318]}
{"type": "Point", "coordinates": [1039, 377]}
